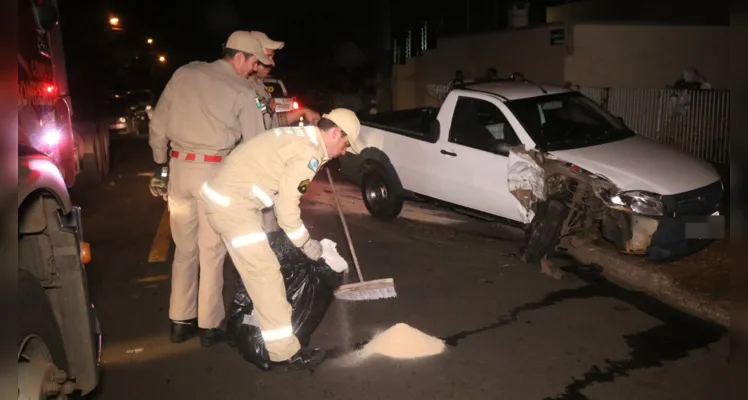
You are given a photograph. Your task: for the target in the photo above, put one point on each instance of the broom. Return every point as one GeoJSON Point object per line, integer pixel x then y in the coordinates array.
{"type": "Point", "coordinates": [371, 290]}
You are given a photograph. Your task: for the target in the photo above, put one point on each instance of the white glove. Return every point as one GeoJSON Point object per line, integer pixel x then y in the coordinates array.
{"type": "Point", "coordinates": [312, 249]}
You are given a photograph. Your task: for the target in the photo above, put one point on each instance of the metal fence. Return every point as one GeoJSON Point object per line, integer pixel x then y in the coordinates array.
{"type": "Point", "coordinates": [696, 121]}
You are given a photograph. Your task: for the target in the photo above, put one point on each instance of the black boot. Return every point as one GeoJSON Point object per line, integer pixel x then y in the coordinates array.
{"type": "Point", "coordinates": [183, 330]}
{"type": "Point", "coordinates": [305, 358]}
{"type": "Point", "coordinates": [209, 337]}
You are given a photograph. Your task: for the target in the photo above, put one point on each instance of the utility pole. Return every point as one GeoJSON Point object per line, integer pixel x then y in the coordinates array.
{"type": "Point", "coordinates": [384, 59]}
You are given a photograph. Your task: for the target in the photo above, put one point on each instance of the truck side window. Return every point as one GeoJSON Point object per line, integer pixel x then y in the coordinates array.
{"type": "Point", "coordinates": [481, 125]}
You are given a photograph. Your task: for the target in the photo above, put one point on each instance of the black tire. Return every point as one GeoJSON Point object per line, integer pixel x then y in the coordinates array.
{"type": "Point", "coordinates": [36, 318]}
{"type": "Point", "coordinates": [104, 159]}
{"type": "Point", "coordinates": [91, 159]}
{"type": "Point", "coordinates": [381, 195]}
{"type": "Point", "coordinates": [544, 231]}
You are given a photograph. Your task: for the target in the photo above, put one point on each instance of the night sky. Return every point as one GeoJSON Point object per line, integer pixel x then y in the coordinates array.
{"type": "Point", "coordinates": [195, 32]}
{"type": "Point", "coordinates": [190, 31]}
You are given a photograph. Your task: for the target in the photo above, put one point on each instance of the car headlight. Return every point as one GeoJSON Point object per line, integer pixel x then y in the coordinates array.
{"type": "Point", "coordinates": [122, 119]}
{"type": "Point", "coordinates": [634, 201]}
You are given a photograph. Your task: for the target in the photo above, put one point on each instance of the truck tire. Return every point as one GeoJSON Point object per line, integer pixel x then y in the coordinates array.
{"type": "Point", "coordinates": [95, 158]}
{"type": "Point", "coordinates": [380, 194]}
{"type": "Point", "coordinates": [104, 143]}
{"type": "Point", "coordinates": [40, 346]}
{"type": "Point", "coordinates": [544, 231]}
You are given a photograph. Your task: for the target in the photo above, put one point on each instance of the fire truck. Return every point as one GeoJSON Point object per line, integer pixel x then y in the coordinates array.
{"type": "Point", "coordinates": [59, 337]}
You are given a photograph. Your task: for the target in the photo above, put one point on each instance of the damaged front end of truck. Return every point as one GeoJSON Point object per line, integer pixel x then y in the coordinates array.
{"type": "Point", "coordinates": [558, 199]}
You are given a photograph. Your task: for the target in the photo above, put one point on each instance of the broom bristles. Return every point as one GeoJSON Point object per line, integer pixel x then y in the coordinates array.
{"type": "Point", "coordinates": [371, 290]}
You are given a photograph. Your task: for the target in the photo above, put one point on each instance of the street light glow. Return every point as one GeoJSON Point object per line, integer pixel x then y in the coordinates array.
{"type": "Point", "coordinates": [150, 41]}
{"type": "Point", "coordinates": [162, 59]}
{"type": "Point", "coordinates": [114, 21]}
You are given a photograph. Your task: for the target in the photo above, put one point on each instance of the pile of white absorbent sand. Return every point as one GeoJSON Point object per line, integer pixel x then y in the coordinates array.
{"type": "Point", "coordinates": [402, 342]}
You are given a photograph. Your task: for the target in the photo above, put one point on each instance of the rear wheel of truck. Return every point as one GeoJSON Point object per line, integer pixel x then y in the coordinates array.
{"type": "Point", "coordinates": [42, 362]}
{"type": "Point", "coordinates": [545, 230]}
{"type": "Point", "coordinates": [95, 158]}
{"type": "Point", "coordinates": [380, 195]}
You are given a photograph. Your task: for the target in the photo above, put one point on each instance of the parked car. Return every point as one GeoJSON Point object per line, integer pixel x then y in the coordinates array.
{"type": "Point", "coordinates": [128, 112]}
{"type": "Point", "coordinates": [542, 157]}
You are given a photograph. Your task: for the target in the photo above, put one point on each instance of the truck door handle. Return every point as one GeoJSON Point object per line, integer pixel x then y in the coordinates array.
{"type": "Point", "coordinates": [449, 153]}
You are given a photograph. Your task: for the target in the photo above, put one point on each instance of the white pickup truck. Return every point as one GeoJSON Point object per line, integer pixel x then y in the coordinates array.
{"type": "Point", "coordinates": [546, 158]}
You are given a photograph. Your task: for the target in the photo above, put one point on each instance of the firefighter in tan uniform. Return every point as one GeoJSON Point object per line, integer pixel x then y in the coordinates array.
{"type": "Point", "coordinates": [270, 117]}
{"type": "Point", "coordinates": [274, 169]}
{"type": "Point", "coordinates": [205, 109]}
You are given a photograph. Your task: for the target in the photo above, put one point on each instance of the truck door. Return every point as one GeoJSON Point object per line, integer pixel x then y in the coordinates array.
{"type": "Point", "coordinates": [475, 157]}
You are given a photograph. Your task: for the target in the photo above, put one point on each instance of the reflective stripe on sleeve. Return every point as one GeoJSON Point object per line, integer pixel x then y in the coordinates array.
{"type": "Point", "coordinates": [262, 196]}
{"type": "Point", "coordinates": [297, 233]}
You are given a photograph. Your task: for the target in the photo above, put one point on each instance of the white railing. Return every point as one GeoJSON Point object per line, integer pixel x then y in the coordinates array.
{"type": "Point", "coordinates": [696, 121]}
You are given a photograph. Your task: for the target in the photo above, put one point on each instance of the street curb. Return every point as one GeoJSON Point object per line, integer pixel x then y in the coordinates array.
{"type": "Point", "coordinates": [642, 275]}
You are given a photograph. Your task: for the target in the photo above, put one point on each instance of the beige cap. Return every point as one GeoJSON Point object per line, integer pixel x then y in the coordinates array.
{"type": "Point", "coordinates": [347, 120]}
{"type": "Point", "coordinates": [266, 42]}
{"type": "Point", "coordinates": [244, 41]}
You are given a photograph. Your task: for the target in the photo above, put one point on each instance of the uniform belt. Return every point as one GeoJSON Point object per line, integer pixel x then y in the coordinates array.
{"type": "Point", "coordinates": [195, 157]}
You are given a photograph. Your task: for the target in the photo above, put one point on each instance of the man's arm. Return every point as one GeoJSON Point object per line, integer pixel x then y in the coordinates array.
{"type": "Point", "coordinates": [250, 116]}
{"type": "Point", "coordinates": [296, 178]}
{"type": "Point", "coordinates": [157, 137]}
{"type": "Point", "coordinates": [290, 117]}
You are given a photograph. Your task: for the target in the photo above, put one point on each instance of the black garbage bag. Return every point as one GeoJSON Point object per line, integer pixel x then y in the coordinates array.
{"type": "Point", "coordinates": [310, 287]}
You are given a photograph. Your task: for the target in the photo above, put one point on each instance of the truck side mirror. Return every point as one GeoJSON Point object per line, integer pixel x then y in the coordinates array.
{"type": "Point", "coordinates": [46, 16]}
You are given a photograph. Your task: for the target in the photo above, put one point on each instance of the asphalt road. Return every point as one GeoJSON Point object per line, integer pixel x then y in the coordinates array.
{"type": "Point", "coordinates": [514, 333]}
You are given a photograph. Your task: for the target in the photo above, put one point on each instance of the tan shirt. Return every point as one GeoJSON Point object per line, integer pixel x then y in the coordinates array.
{"type": "Point", "coordinates": [272, 169]}
{"type": "Point", "coordinates": [270, 119]}
{"type": "Point", "coordinates": [206, 108]}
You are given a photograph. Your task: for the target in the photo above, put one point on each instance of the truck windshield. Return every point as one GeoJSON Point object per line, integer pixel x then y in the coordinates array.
{"type": "Point", "coordinates": [567, 121]}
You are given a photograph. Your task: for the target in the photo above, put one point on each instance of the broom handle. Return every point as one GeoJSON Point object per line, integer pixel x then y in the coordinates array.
{"type": "Point", "coordinates": [345, 226]}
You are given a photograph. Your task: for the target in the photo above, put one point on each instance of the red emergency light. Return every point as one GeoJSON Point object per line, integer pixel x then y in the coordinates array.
{"type": "Point", "coordinates": [50, 89]}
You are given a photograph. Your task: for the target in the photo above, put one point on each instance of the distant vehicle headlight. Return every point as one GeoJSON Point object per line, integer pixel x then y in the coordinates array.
{"type": "Point", "coordinates": [122, 119]}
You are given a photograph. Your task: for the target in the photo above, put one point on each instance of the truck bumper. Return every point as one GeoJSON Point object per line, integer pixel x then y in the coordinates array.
{"type": "Point", "coordinates": [679, 237]}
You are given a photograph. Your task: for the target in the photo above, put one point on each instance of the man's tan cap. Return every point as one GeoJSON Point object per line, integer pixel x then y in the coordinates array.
{"type": "Point", "coordinates": [244, 41]}
{"type": "Point", "coordinates": [266, 42]}
{"type": "Point", "coordinates": [347, 120]}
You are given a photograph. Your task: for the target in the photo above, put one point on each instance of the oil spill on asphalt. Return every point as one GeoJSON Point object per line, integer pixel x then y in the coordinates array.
{"type": "Point", "coordinates": [678, 335]}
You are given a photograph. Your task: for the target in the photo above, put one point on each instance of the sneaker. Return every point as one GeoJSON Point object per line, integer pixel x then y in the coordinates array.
{"type": "Point", "coordinates": [305, 358]}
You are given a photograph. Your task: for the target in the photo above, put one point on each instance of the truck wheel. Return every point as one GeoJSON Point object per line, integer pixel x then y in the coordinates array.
{"type": "Point", "coordinates": [379, 194]}
{"type": "Point", "coordinates": [95, 159]}
{"type": "Point", "coordinates": [42, 362]}
{"type": "Point", "coordinates": [544, 231]}
{"type": "Point", "coordinates": [104, 159]}
{"type": "Point", "coordinates": [91, 166]}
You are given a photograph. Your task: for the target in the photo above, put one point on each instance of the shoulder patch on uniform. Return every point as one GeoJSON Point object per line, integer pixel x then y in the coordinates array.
{"type": "Point", "coordinates": [313, 164]}
{"type": "Point", "coordinates": [303, 186]}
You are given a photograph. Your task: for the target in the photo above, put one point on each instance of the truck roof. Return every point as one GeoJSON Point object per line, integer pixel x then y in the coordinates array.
{"type": "Point", "coordinates": [515, 90]}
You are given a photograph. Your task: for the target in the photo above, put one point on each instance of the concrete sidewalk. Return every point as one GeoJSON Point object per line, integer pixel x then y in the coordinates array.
{"type": "Point", "coordinates": [698, 284]}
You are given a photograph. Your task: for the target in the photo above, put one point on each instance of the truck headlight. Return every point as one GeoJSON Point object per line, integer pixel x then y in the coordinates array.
{"type": "Point", "coordinates": [634, 201]}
